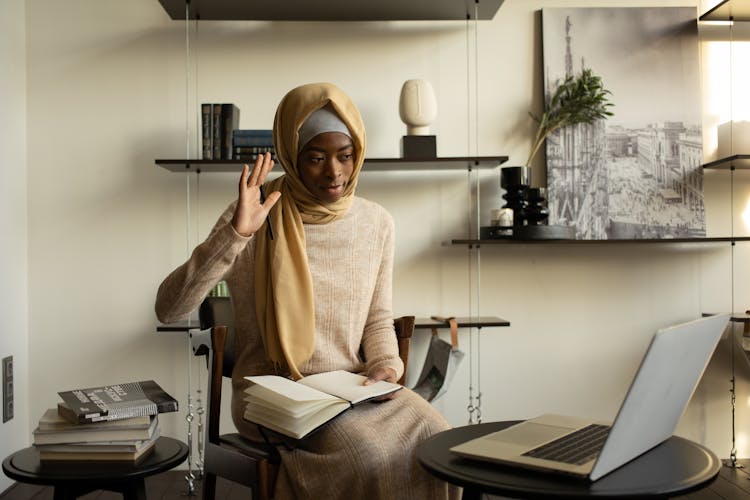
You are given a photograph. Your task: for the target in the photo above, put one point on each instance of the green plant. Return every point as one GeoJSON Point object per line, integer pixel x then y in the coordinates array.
{"type": "Point", "coordinates": [576, 99]}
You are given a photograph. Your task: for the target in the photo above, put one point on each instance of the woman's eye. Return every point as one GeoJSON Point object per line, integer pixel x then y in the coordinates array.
{"type": "Point", "coordinates": [347, 156]}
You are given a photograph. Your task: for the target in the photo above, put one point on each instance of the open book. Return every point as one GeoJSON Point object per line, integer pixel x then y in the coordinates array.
{"type": "Point", "coordinates": [295, 409]}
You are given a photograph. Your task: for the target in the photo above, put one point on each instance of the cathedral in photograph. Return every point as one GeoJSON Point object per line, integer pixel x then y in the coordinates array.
{"type": "Point", "coordinates": [623, 178]}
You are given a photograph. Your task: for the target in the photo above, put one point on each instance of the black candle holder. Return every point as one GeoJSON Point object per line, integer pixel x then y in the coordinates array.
{"type": "Point", "coordinates": [537, 211]}
{"type": "Point", "coordinates": [516, 181]}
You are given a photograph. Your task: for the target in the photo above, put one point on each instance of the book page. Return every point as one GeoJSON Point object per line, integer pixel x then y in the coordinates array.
{"type": "Point", "coordinates": [348, 385]}
{"type": "Point", "coordinates": [290, 389]}
{"type": "Point", "coordinates": [258, 395]}
{"type": "Point", "coordinates": [294, 427]}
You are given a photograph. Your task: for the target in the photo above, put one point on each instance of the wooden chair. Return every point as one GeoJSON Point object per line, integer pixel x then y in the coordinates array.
{"type": "Point", "coordinates": [231, 456]}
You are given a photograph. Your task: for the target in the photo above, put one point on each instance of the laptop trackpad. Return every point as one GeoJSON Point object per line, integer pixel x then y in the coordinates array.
{"type": "Point", "coordinates": [529, 434]}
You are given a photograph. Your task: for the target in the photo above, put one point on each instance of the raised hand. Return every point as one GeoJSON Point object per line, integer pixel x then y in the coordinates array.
{"type": "Point", "coordinates": [251, 212]}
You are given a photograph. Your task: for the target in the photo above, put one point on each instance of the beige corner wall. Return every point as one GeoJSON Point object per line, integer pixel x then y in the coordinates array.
{"type": "Point", "coordinates": [106, 95]}
{"type": "Point", "coordinates": [14, 304]}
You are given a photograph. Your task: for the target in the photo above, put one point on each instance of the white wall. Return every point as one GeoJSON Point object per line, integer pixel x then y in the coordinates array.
{"type": "Point", "coordinates": [107, 95]}
{"type": "Point", "coordinates": [14, 304]}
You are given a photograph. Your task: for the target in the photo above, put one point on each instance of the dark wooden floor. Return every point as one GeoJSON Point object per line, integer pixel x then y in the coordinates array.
{"type": "Point", "coordinates": [732, 484]}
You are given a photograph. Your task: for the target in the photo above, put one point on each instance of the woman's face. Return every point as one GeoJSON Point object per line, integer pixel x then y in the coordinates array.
{"type": "Point", "coordinates": [325, 165]}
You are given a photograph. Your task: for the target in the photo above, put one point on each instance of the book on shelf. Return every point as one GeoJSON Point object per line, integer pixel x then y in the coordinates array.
{"type": "Point", "coordinates": [246, 137]}
{"type": "Point", "coordinates": [118, 401]}
{"type": "Point", "coordinates": [251, 152]}
{"type": "Point", "coordinates": [298, 408]}
{"type": "Point", "coordinates": [207, 125]}
{"type": "Point", "coordinates": [55, 429]}
{"type": "Point", "coordinates": [218, 122]}
{"type": "Point", "coordinates": [230, 121]}
{"type": "Point", "coordinates": [216, 132]}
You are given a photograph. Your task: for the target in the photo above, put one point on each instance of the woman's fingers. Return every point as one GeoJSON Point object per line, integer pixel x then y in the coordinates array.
{"type": "Point", "coordinates": [243, 177]}
{"type": "Point", "coordinates": [271, 200]}
{"type": "Point", "coordinates": [263, 165]}
{"type": "Point", "coordinates": [251, 209]}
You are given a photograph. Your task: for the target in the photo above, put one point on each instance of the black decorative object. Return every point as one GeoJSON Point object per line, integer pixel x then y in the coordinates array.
{"type": "Point", "coordinates": [419, 147]}
{"type": "Point", "coordinates": [537, 211]}
{"type": "Point", "coordinates": [516, 181]}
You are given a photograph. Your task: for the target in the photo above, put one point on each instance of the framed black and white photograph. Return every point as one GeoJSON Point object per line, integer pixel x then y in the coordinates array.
{"type": "Point", "coordinates": [638, 173]}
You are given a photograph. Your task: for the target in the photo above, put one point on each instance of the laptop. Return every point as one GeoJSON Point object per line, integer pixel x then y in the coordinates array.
{"type": "Point", "coordinates": [658, 395]}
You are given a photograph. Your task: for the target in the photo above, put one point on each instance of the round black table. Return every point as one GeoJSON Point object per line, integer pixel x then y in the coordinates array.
{"type": "Point", "coordinates": [74, 479]}
{"type": "Point", "coordinates": [675, 467]}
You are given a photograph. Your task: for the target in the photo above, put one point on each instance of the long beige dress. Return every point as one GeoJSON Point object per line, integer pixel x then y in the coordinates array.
{"type": "Point", "coordinates": [368, 452]}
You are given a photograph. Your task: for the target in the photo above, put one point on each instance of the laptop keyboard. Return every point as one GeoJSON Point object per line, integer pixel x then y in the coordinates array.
{"type": "Point", "coordinates": [575, 448]}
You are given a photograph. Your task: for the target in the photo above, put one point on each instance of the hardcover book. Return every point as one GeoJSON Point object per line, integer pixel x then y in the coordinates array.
{"type": "Point", "coordinates": [207, 134]}
{"type": "Point", "coordinates": [115, 452]}
{"type": "Point", "coordinates": [230, 121]}
{"type": "Point", "coordinates": [296, 409]}
{"type": "Point", "coordinates": [54, 429]}
{"type": "Point", "coordinates": [114, 402]}
{"type": "Point", "coordinates": [216, 132]}
{"type": "Point", "coordinates": [248, 137]}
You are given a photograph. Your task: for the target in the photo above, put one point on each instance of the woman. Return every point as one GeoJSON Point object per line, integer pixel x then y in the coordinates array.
{"type": "Point", "coordinates": [308, 297]}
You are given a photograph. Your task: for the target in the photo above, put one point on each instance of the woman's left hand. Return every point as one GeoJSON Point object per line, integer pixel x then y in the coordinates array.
{"type": "Point", "coordinates": [387, 374]}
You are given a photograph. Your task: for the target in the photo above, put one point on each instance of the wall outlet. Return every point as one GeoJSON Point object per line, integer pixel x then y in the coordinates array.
{"type": "Point", "coordinates": [7, 388]}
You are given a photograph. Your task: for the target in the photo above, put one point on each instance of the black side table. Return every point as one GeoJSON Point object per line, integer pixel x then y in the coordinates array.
{"type": "Point", "coordinates": [74, 479]}
{"type": "Point", "coordinates": [675, 467]}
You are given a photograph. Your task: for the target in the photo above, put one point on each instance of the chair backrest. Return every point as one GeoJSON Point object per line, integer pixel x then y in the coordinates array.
{"type": "Point", "coordinates": [215, 311]}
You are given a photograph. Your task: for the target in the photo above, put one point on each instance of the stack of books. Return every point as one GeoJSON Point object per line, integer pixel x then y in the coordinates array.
{"type": "Point", "coordinates": [218, 121]}
{"type": "Point", "coordinates": [106, 423]}
{"type": "Point", "coordinates": [248, 144]}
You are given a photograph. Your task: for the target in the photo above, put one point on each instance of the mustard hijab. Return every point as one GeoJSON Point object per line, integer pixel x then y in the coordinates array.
{"type": "Point", "coordinates": [283, 284]}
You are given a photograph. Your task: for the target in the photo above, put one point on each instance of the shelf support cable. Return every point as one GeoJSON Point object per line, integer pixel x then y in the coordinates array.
{"type": "Point", "coordinates": [732, 461]}
{"type": "Point", "coordinates": [474, 407]}
{"type": "Point", "coordinates": [189, 477]}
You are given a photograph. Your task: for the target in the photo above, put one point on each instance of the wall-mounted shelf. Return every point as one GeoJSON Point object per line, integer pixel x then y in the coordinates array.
{"type": "Point", "coordinates": [729, 163]}
{"type": "Point", "coordinates": [371, 164]}
{"type": "Point", "coordinates": [419, 323]}
{"type": "Point", "coordinates": [332, 10]}
{"type": "Point", "coordinates": [462, 322]}
{"type": "Point", "coordinates": [734, 10]}
{"type": "Point", "coordinates": [660, 241]}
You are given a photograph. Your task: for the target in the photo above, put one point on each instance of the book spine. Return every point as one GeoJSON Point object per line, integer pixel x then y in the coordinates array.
{"type": "Point", "coordinates": [163, 401]}
{"type": "Point", "coordinates": [251, 153]}
{"type": "Point", "coordinates": [252, 141]}
{"type": "Point", "coordinates": [265, 132]}
{"type": "Point", "coordinates": [230, 121]}
{"type": "Point", "coordinates": [216, 135]}
{"type": "Point", "coordinates": [207, 131]}
{"type": "Point", "coordinates": [245, 150]}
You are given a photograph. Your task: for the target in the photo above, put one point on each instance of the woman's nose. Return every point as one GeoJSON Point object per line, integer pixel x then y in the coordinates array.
{"type": "Point", "coordinates": [333, 168]}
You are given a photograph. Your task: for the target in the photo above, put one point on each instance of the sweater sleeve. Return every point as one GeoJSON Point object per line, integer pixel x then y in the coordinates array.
{"type": "Point", "coordinates": [379, 338]}
{"type": "Point", "coordinates": [183, 290]}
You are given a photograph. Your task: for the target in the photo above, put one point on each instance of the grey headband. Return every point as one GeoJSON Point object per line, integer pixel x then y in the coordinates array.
{"type": "Point", "coordinates": [320, 121]}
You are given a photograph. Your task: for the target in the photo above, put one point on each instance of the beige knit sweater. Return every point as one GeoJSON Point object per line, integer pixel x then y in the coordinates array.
{"type": "Point", "coordinates": [351, 263]}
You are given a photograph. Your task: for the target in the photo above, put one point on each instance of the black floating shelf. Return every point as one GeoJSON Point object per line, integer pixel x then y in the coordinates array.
{"type": "Point", "coordinates": [419, 323]}
{"type": "Point", "coordinates": [371, 164]}
{"type": "Point", "coordinates": [331, 10]}
{"type": "Point", "coordinates": [729, 163]}
{"type": "Point", "coordinates": [728, 10]}
{"type": "Point", "coordinates": [650, 241]}
{"type": "Point", "coordinates": [462, 322]}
